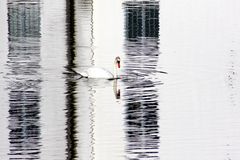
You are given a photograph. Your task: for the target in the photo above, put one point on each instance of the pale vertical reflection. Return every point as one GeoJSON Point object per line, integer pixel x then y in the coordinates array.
{"type": "Point", "coordinates": [24, 79]}
{"type": "Point", "coordinates": [53, 60]}
{"type": "Point", "coordinates": [98, 112]}
{"type": "Point", "coordinates": [108, 32]}
{"type": "Point", "coordinates": [84, 53]}
{"type": "Point", "coordinates": [4, 147]}
{"type": "Point", "coordinates": [84, 33]}
{"type": "Point", "coordinates": [141, 93]}
{"type": "Point", "coordinates": [108, 111]}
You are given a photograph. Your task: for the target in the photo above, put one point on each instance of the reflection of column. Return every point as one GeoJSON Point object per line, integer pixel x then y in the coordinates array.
{"type": "Point", "coordinates": [141, 95]}
{"type": "Point", "coordinates": [71, 150]}
{"type": "Point", "coordinates": [24, 79]}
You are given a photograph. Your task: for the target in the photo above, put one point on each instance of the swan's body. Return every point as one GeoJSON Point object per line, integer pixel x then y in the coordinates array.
{"type": "Point", "coordinates": [97, 72]}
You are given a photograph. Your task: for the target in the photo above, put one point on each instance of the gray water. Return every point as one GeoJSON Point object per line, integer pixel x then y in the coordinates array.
{"type": "Point", "coordinates": [178, 98]}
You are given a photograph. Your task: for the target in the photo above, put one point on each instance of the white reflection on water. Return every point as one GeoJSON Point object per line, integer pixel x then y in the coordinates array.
{"type": "Point", "coordinates": [198, 118]}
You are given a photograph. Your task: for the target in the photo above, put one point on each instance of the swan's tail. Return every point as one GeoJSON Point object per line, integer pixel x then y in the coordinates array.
{"type": "Point", "coordinates": [73, 73]}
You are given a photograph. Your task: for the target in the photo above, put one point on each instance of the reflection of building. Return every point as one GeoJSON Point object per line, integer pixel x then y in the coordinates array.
{"type": "Point", "coordinates": [24, 79]}
{"type": "Point", "coordinates": [141, 95]}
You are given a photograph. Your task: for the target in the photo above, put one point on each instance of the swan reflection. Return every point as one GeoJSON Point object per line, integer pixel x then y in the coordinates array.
{"type": "Point", "coordinates": [116, 89]}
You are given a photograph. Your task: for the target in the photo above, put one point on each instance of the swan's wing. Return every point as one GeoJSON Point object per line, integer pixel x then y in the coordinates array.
{"type": "Point", "coordinates": [84, 74]}
{"type": "Point", "coordinates": [99, 73]}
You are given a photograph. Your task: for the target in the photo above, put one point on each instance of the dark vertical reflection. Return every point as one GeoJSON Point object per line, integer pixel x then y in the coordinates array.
{"type": "Point", "coordinates": [24, 79]}
{"type": "Point", "coordinates": [141, 95]}
{"type": "Point", "coordinates": [70, 82]}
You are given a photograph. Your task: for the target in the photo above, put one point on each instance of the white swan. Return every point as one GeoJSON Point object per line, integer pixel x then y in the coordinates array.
{"type": "Point", "coordinates": [96, 72]}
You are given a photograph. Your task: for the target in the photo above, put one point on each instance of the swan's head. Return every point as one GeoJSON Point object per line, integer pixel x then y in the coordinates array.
{"type": "Point", "coordinates": [117, 61]}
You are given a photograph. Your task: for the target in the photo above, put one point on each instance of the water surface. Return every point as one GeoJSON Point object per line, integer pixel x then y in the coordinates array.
{"type": "Point", "coordinates": [178, 98]}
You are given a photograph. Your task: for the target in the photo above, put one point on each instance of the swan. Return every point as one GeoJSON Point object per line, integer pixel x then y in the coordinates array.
{"type": "Point", "coordinates": [96, 72]}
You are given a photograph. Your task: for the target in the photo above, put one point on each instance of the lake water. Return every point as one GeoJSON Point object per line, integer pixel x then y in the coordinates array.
{"type": "Point", "coordinates": [178, 98]}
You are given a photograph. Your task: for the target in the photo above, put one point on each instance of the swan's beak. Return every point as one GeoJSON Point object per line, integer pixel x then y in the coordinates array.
{"type": "Point", "coordinates": [118, 64]}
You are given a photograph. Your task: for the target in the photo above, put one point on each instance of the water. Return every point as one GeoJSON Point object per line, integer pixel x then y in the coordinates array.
{"type": "Point", "coordinates": [178, 98]}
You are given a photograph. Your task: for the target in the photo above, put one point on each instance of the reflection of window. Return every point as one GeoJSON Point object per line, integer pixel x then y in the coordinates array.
{"type": "Point", "coordinates": [24, 19]}
{"type": "Point", "coordinates": [142, 19]}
